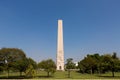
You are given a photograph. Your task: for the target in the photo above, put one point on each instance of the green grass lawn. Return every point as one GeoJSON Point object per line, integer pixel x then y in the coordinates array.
{"type": "Point", "coordinates": [63, 75]}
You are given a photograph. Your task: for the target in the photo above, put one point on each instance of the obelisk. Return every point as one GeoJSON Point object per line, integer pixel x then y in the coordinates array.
{"type": "Point", "coordinates": [60, 47]}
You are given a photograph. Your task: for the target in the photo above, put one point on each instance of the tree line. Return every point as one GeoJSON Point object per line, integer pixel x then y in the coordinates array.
{"type": "Point", "coordinates": [14, 59]}
{"type": "Point", "coordinates": [96, 63]}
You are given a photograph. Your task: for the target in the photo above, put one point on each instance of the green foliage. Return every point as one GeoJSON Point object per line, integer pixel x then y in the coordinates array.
{"type": "Point", "coordinates": [87, 65]}
{"type": "Point", "coordinates": [21, 65]}
{"type": "Point", "coordinates": [10, 55]}
{"type": "Point", "coordinates": [15, 59]}
{"type": "Point", "coordinates": [100, 64]}
{"type": "Point", "coordinates": [30, 71]}
{"type": "Point", "coordinates": [32, 62]}
{"type": "Point", "coordinates": [48, 65]}
{"type": "Point", "coordinates": [112, 62]}
{"type": "Point", "coordinates": [69, 65]}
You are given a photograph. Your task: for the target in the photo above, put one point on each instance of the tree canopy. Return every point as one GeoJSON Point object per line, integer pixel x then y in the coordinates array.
{"type": "Point", "coordinates": [100, 63]}
{"type": "Point", "coordinates": [48, 65]}
{"type": "Point", "coordinates": [69, 65]}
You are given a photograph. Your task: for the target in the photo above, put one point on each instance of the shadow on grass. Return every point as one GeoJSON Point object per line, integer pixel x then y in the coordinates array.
{"type": "Point", "coordinates": [23, 77]}
{"type": "Point", "coordinates": [108, 77]}
{"type": "Point", "coordinates": [45, 76]}
{"type": "Point", "coordinates": [15, 77]}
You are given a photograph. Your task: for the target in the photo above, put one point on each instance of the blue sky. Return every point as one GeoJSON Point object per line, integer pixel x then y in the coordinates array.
{"type": "Point", "coordinates": [90, 26]}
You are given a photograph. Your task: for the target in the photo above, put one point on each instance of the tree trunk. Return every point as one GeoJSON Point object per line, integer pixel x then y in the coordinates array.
{"type": "Point", "coordinates": [91, 71]}
{"type": "Point", "coordinates": [113, 73]}
{"type": "Point", "coordinates": [69, 73]}
{"type": "Point", "coordinates": [113, 70]}
{"type": "Point", "coordinates": [99, 70]}
{"type": "Point", "coordinates": [48, 74]}
{"type": "Point", "coordinates": [8, 73]}
{"type": "Point", "coordinates": [20, 73]}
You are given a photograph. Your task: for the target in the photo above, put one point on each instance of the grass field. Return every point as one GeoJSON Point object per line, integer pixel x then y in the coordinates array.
{"type": "Point", "coordinates": [63, 75]}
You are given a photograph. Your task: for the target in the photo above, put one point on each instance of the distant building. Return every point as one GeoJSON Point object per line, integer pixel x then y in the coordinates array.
{"type": "Point", "coordinates": [76, 64]}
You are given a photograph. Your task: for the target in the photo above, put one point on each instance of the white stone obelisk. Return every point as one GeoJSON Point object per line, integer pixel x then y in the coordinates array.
{"type": "Point", "coordinates": [60, 48]}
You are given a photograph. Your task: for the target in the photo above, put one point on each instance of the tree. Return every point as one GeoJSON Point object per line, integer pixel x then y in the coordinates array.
{"type": "Point", "coordinates": [48, 65]}
{"type": "Point", "coordinates": [32, 62]}
{"type": "Point", "coordinates": [69, 65]}
{"type": "Point", "coordinates": [98, 61]}
{"type": "Point", "coordinates": [88, 64]}
{"type": "Point", "coordinates": [9, 55]}
{"type": "Point", "coordinates": [2, 66]}
{"type": "Point", "coordinates": [21, 65]}
{"type": "Point", "coordinates": [32, 65]}
{"type": "Point", "coordinates": [30, 71]}
{"type": "Point", "coordinates": [112, 61]}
